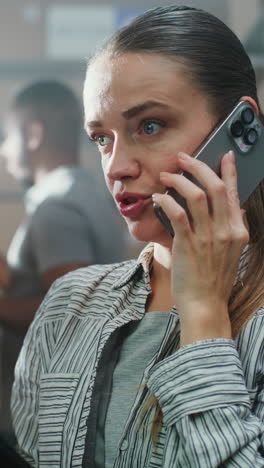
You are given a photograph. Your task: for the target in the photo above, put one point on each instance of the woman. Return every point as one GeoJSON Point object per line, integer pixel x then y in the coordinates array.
{"type": "Point", "coordinates": [157, 362]}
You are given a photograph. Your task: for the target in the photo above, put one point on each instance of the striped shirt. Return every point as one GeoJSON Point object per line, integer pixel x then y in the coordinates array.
{"type": "Point", "coordinates": [211, 392]}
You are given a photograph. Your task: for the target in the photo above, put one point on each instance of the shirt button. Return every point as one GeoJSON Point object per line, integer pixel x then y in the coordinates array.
{"type": "Point", "coordinates": [124, 445]}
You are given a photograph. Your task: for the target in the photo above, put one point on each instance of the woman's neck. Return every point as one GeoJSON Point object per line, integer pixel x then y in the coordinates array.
{"type": "Point", "coordinates": [162, 259]}
{"type": "Point", "coordinates": [160, 279]}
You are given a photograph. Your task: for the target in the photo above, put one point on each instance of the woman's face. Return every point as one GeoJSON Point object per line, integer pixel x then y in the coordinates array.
{"type": "Point", "coordinates": [141, 110]}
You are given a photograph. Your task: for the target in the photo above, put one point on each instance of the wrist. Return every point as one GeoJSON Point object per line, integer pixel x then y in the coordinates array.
{"type": "Point", "coordinates": [202, 322]}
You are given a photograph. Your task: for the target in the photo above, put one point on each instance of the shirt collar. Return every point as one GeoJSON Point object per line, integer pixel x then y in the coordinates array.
{"type": "Point", "coordinates": [55, 183]}
{"type": "Point", "coordinates": [143, 263]}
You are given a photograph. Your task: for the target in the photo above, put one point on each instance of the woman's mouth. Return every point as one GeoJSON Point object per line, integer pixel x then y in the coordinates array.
{"type": "Point", "coordinates": [131, 204]}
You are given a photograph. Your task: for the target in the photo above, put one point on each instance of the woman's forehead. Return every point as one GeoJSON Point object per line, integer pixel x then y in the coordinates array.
{"type": "Point", "coordinates": [130, 67]}
{"type": "Point", "coordinates": [120, 81]}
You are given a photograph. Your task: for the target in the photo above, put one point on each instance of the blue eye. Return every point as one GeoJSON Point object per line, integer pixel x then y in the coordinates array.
{"type": "Point", "coordinates": [103, 140]}
{"type": "Point", "coordinates": [151, 128]}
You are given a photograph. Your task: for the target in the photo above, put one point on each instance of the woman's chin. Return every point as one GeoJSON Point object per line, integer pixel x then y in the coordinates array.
{"type": "Point", "coordinates": [149, 232]}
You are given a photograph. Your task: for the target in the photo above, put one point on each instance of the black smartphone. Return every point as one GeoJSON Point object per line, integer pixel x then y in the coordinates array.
{"type": "Point", "coordinates": [243, 132]}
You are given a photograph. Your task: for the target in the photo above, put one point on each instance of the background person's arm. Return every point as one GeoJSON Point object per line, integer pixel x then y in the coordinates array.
{"type": "Point", "coordinates": [60, 243]}
{"type": "Point", "coordinates": [5, 272]}
{"type": "Point", "coordinates": [18, 313]}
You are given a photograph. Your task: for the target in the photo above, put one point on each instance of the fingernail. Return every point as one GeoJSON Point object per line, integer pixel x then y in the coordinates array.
{"type": "Point", "coordinates": [164, 175]}
{"type": "Point", "coordinates": [184, 156]}
{"type": "Point", "coordinates": [155, 197]}
{"type": "Point", "coordinates": [231, 155]}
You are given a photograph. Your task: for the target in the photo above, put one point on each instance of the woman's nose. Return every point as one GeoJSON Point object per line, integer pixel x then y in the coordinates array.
{"type": "Point", "coordinates": [123, 163]}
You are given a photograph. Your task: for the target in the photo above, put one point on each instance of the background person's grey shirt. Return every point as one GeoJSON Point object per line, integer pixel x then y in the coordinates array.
{"type": "Point", "coordinates": [69, 219]}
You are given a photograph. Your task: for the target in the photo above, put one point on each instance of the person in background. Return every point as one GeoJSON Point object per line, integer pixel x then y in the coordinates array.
{"type": "Point", "coordinates": [157, 362]}
{"type": "Point", "coordinates": [69, 223]}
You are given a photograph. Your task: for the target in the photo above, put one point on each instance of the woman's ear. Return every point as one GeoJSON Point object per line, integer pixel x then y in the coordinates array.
{"type": "Point", "coordinates": [252, 102]}
{"type": "Point", "coordinates": [34, 135]}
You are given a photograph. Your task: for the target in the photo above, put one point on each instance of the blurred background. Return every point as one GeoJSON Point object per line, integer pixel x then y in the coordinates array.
{"type": "Point", "coordinates": [53, 38]}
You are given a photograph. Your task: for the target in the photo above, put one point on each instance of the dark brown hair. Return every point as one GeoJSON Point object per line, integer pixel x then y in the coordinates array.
{"type": "Point", "coordinates": [55, 105]}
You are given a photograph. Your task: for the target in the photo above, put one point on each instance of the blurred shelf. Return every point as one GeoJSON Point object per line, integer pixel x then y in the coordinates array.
{"type": "Point", "coordinates": [42, 68]}
{"type": "Point", "coordinates": [13, 70]}
{"type": "Point", "coordinates": [8, 196]}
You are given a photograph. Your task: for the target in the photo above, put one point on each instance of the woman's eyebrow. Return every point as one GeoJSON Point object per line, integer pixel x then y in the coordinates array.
{"type": "Point", "coordinates": [93, 124]}
{"type": "Point", "coordinates": [134, 111]}
{"type": "Point", "coordinates": [130, 113]}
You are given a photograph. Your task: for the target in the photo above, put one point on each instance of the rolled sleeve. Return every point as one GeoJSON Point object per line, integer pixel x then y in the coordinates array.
{"type": "Point", "coordinates": [197, 378]}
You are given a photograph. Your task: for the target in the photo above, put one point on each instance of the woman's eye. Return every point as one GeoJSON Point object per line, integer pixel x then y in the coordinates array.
{"type": "Point", "coordinates": [151, 128]}
{"type": "Point", "coordinates": [103, 140]}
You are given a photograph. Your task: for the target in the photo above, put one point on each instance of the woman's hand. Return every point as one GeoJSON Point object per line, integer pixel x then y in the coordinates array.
{"type": "Point", "coordinates": [206, 252]}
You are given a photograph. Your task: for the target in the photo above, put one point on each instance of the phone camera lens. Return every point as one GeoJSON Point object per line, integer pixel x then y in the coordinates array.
{"type": "Point", "coordinates": [247, 116]}
{"type": "Point", "coordinates": [237, 129]}
{"type": "Point", "coordinates": [250, 136]}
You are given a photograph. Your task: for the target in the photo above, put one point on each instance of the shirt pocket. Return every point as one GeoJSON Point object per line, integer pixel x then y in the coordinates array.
{"type": "Point", "coordinates": [56, 419]}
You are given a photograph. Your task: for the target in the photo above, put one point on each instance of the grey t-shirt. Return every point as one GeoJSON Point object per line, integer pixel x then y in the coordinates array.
{"type": "Point", "coordinates": [139, 346]}
{"type": "Point", "coordinates": [69, 219]}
